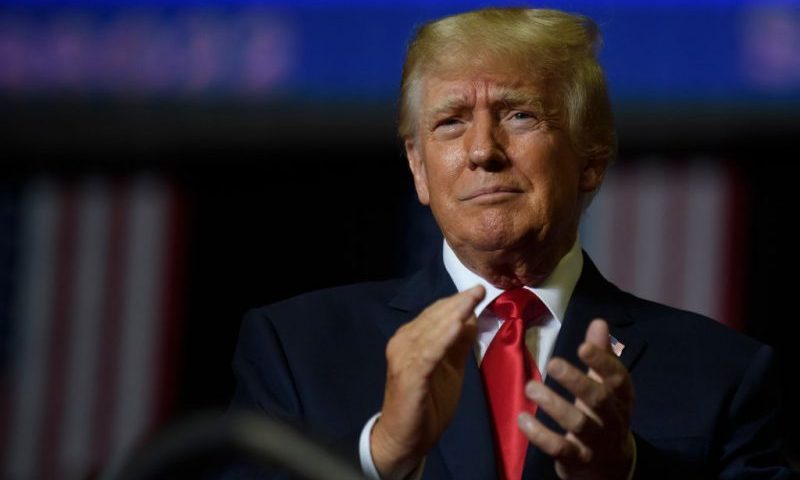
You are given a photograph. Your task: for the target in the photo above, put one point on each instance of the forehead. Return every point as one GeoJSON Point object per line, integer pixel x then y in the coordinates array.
{"type": "Point", "coordinates": [475, 85]}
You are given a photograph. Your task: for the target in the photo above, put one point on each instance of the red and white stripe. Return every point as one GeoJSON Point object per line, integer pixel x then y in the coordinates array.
{"type": "Point", "coordinates": [671, 231]}
{"type": "Point", "coordinates": [95, 323]}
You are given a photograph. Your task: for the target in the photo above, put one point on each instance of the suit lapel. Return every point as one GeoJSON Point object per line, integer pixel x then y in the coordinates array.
{"type": "Point", "coordinates": [466, 445]}
{"type": "Point", "coordinates": [593, 297]}
{"type": "Point", "coordinates": [416, 293]}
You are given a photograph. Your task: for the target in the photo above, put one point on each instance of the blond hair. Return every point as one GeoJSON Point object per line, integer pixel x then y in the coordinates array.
{"type": "Point", "coordinates": [560, 49]}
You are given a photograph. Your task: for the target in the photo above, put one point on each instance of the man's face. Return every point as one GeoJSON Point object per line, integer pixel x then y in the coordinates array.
{"type": "Point", "coordinates": [495, 164]}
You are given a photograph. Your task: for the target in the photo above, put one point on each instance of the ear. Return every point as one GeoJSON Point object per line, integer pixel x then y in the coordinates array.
{"type": "Point", "coordinates": [417, 167]}
{"type": "Point", "coordinates": [593, 173]}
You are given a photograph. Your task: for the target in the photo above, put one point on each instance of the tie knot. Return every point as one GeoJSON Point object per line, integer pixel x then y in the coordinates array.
{"type": "Point", "coordinates": [517, 304]}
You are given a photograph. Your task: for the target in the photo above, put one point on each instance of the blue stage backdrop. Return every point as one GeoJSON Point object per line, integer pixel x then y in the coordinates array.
{"type": "Point", "coordinates": [711, 50]}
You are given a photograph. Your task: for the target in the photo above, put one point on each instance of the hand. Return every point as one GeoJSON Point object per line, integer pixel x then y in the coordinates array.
{"type": "Point", "coordinates": [426, 359]}
{"type": "Point", "coordinates": [598, 443]}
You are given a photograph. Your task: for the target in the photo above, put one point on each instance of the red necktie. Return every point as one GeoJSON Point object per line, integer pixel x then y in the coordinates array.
{"type": "Point", "coordinates": [506, 367]}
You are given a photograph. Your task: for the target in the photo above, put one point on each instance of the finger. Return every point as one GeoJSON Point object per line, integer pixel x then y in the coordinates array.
{"type": "Point", "coordinates": [609, 370]}
{"type": "Point", "coordinates": [576, 468]}
{"type": "Point", "coordinates": [548, 441]}
{"type": "Point", "coordinates": [606, 406]}
{"type": "Point", "coordinates": [464, 341]}
{"type": "Point", "coordinates": [597, 334]}
{"type": "Point", "coordinates": [477, 293]}
{"type": "Point", "coordinates": [457, 309]}
{"type": "Point", "coordinates": [593, 395]}
{"type": "Point", "coordinates": [460, 302]}
{"type": "Point", "coordinates": [445, 326]}
{"type": "Point", "coordinates": [443, 319]}
{"type": "Point", "coordinates": [463, 324]}
{"type": "Point", "coordinates": [604, 413]}
{"type": "Point", "coordinates": [568, 415]}
{"type": "Point", "coordinates": [604, 363]}
{"type": "Point", "coordinates": [467, 329]}
{"type": "Point", "coordinates": [470, 298]}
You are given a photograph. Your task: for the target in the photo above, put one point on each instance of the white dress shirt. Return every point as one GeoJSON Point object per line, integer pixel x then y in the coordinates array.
{"type": "Point", "coordinates": [555, 292]}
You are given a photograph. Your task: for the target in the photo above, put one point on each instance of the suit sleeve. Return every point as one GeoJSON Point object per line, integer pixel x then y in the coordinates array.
{"type": "Point", "coordinates": [747, 444]}
{"type": "Point", "coordinates": [752, 444]}
{"type": "Point", "coordinates": [265, 383]}
{"type": "Point", "coordinates": [264, 380]}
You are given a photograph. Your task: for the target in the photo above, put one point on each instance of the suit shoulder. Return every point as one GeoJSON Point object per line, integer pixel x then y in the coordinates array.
{"type": "Point", "coordinates": [341, 302]}
{"type": "Point", "coordinates": [684, 330]}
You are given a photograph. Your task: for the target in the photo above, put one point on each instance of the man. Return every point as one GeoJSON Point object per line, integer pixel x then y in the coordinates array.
{"type": "Point", "coordinates": [508, 133]}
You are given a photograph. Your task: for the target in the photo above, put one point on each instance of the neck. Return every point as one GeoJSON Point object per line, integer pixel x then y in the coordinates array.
{"type": "Point", "coordinates": [514, 267]}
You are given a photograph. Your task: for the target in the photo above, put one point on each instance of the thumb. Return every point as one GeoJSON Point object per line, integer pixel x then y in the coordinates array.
{"type": "Point", "coordinates": [597, 334]}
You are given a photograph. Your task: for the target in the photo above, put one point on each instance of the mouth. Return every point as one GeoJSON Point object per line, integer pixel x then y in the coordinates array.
{"type": "Point", "coordinates": [491, 193]}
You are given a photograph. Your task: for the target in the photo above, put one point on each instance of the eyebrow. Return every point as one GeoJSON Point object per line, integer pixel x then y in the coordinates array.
{"type": "Point", "coordinates": [516, 98]}
{"type": "Point", "coordinates": [449, 104]}
{"type": "Point", "coordinates": [507, 97]}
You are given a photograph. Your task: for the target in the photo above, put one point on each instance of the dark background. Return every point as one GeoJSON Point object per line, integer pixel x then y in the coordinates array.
{"type": "Point", "coordinates": [268, 220]}
{"type": "Point", "coordinates": [306, 186]}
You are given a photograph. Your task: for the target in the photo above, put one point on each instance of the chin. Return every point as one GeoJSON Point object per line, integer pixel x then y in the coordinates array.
{"type": "Point", "coordinates": [490, 240]}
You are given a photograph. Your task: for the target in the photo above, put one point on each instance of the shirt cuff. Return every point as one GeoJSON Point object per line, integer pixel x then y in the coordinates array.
{"type": "Point", "coordinates": [365, 454]}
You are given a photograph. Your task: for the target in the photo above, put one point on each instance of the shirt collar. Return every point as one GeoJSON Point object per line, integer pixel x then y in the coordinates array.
{"type": "Point", "coordinates": [555, 291]}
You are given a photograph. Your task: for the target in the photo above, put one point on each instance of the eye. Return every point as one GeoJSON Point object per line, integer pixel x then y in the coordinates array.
{"type": "Point", "coordinates": [447, 122]}
{"type": "Point", "coordinates": [522, 116]}
{"type": "Point", "coordinates": [522, 120]}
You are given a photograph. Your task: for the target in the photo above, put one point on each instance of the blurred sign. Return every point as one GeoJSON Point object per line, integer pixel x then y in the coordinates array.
{"type": "Point", "coordinates": [332, 51]}
{"type": "Point", "coordinates": [180, 54]}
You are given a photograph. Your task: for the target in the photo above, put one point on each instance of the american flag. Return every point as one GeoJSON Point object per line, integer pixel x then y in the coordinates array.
{"type": "Point", "coordinates": [616, 346]}
{"type": "Point", "coordinates": [672, 230]}
{"type": "Point", "coordinates": [89, 319]}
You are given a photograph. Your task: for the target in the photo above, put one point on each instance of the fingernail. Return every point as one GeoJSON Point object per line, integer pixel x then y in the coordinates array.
{"type": "Point", "coordinates": [557, 368]}
{"type": "Point", "coordinates": [532, 391]}
{"type": "Point", "coordinates": [525, 421]}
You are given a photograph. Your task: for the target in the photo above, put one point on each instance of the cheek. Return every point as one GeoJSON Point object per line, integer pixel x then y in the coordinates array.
{"type": "Point", "coordinates": [553, 176]}
{"type": "Point", "coordinates": [443, 167]}
{"type": "Point", "coordinates": [552, 160]}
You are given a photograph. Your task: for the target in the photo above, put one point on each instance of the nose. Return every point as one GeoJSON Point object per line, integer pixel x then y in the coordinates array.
{"type": "Point", "coordinates": [483, 148]}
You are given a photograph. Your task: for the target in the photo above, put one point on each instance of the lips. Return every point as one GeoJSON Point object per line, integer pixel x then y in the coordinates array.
{"type": "Point", "coordinates": [488, 192]}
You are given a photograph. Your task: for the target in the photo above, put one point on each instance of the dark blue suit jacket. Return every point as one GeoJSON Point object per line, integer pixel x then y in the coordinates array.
{"type": "Point", "coordinates": [706, 401]}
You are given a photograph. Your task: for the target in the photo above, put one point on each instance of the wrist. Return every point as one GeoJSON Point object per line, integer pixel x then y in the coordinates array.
{"type": "Point", "coordinates": [392, 461]}
{"type": "Point", "coordinates": [630, 454]}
